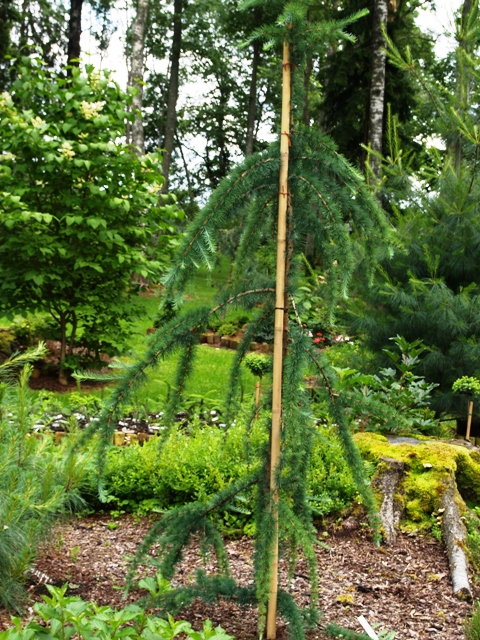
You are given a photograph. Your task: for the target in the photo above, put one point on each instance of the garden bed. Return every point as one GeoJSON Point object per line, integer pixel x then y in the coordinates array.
{"type": "Point", "coordinates": [406, 588]}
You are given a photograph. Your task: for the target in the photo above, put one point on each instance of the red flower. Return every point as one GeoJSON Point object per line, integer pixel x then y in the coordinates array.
{"type": "Point", "coordinates": [316, 340]}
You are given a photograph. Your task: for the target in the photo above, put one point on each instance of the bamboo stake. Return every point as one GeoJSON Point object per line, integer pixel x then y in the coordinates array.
{"type": "Point", "coordinates": [258, 388]}
{"type": "Point", "coordinates": [278, 338]}
{"type": "Point", "coordinates": [469, 421]}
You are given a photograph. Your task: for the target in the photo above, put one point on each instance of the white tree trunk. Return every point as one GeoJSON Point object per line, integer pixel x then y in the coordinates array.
{"type": "Point", "coordinates": [391, 510]}
{"type": "Point", "coordinates": [135, 77]}
{"type": "Point", "coordinates": [377, 85]}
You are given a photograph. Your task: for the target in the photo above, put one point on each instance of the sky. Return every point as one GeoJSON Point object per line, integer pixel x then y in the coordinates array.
{"type": "Point", "coordinates": [438, 22]}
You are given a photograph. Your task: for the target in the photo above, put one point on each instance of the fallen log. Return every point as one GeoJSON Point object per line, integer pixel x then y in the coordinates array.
{"type": "Point", "coordinates": [454, 536]}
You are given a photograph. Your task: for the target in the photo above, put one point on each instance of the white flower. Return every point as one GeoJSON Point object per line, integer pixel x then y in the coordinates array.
{"type": "Point", "coordinates": [95, 79]}
{"type": "Point", "coordinates": [37, 122]}
{"type": "Point", "coordinates": [90, 110]}
{"type": "Point", "coordinates": [5, 98]}
{"type": "Point", "coordinates": [66, 150]}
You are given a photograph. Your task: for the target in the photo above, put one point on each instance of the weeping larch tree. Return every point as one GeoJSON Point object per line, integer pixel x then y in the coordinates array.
{"type": "Point", "coordinates": [298, 186]}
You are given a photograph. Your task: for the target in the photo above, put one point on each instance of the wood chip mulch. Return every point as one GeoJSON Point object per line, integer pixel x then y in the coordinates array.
{"type": "Point", "coordinates": [406, 588]}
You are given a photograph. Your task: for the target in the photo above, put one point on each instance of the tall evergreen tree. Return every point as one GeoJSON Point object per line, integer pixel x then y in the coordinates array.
{"type": "Point", "coordinates": [431, 288]}
{"type": "Point", "coordinates": [299, 185]}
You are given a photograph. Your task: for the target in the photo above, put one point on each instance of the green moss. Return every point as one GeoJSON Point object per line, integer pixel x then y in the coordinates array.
{"type": "Point", "coordinates": [428, 467]}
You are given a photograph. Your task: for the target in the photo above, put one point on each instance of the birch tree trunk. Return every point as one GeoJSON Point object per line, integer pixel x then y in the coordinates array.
{"type": "Point", "coordinates": [278, 344]}
{"type": "Point", "coordinates": [171, 118]}
{"type": "Point", "coordinates": [252, 101]}
{"type": "Point", "coordinates": [377, 85]}
{"type": "Point", "coordinates": [74, 32]}
{"type": "Point", "coordinates": [463, 82]}
{"type": "Point", "coordinates": [135, 78]}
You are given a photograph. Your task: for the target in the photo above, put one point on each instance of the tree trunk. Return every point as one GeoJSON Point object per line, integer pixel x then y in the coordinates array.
{"type": "Point", "coordinates": [278, 344]}
{"type": "Point", "coordinates": [171, 119]}
{"type": "Point", "coordinates": [463, 83]}
{"type": "Point", "coordinates": [135, 78]}
{"type": "Point", "coordinates": [252, 101]}
{"type": "Point", "coordinates": [74, 33]}
{"type": "Point", "coordinates": [62, 376]}
{"type": "Point", "coordinates": [377, 85]}
{"type": "Point", "coordinates": [392, 471]}
{"type": "Point", "coordinates": [306, 87]}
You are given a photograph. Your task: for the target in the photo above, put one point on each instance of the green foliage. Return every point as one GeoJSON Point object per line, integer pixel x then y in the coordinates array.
{"type": "Point", "coordinates": [38, 482]}
{"type": "Point", "coordinates": [78, 206]}
{"type": "Point", "coordinates": [471, 626]}
{"type": "Point", "coordinates": [430, 290]}
{"type": "Point", "coordinates": [346, 81]}
{"type": "Point", "coordinates": [227, 329]}
{"type": "Point", "coordinates": [60, 617]}
{"type": "Point", "coordinates": [258, 364]}
{"type": "Point", "coordinates": [467, 385]}
{"type": "Point", "coordinates": [472, 522]}
{"type": "Point", "coordinates": [322, 186]}
{"type": "Point", "coordinates": [194, 466]}
{"type": "Point", "coordinates": [389, 404]}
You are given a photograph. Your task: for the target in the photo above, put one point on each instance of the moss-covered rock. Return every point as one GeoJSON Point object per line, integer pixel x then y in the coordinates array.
{"type": "Point", "coordinates": [429, 465]}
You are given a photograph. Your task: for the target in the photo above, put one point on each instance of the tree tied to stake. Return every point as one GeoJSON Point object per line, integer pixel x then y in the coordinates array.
{"type": "Point", "coordinates": [299, 186]}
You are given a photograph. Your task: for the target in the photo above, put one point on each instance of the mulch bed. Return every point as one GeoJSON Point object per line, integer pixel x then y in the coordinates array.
{"type": "Point", "coordinates": [406, 589]}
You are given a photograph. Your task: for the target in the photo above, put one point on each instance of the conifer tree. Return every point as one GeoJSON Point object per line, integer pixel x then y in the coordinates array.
{"type": "Point", "coordinates": [431, 289]}
{"type": "Point", "coordinates": [298, 186]}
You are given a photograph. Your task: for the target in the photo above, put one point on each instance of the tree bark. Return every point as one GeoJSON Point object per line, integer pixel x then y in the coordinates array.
{"type": "Point", "coordinates": [463, 83]}
{"type": "Point", "coordinates": [171, 118]}
{"type": "Point", "coordinates": [278, 345]}
{"type": "Point", "coordinates": [62, 376]}
{"type": "Point", "coordinates": [74, 33]}
{"type": "Point", "coordinates": [135, 78]}
{"type": "Point", "coordinates": [306, 88]}
{"type": "Point", "coordinates": [252, 101]}
{"type": "Point", "coordinates": [377, 85]}
{"type": "Point", "coordinates": [388, 481]}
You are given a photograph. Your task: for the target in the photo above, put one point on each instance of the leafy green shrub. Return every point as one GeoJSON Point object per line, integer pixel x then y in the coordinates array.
{"type": "Point", "coordinates": [215, 323]}
{"type": "Point", "coordinates": [188, 467]}
{"type": "Point", "coordinates": [7, 336]}
{"type": "Point", "coordinates": [330, 483]}
{"type": "Point", "coordinates": [467, 385]}
{"type": "Point", "coordinates": [388, 402]}
{"type": "Point", "coordinates": [258, 364]}
{"type": "Point", "coordinates": [38, 481]}
{"type": "Point", "coordinates": [61, 616]}
{"type": "Point", "coordinates": [194, 466]}
{"type": "Point", "coordinates": [227, 329]}
{"type": "Point", "coordinates": [78, 206]}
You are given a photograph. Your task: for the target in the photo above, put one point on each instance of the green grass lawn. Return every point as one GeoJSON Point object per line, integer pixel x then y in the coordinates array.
{"type": "Point", "coordinates": [212, 366]}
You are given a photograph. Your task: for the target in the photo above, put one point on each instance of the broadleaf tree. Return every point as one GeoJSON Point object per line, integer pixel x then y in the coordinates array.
{"type": "Point", "coordinates": [80, 213]}
{"type": "Point", "coordinates": [314, 190]}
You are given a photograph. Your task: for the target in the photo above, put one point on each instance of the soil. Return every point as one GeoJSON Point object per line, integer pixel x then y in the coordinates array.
{"type": "Point", "coordinates": [406, 588]}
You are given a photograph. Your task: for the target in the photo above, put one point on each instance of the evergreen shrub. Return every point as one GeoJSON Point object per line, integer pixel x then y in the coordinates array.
{"type": "Point", "coordinates": [38, 482]}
